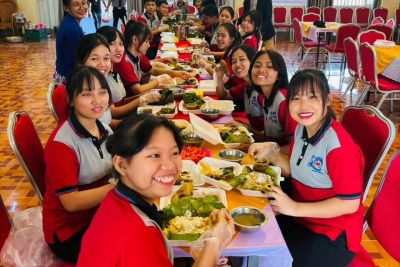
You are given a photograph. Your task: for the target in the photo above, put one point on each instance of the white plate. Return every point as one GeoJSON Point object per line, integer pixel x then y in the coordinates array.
{"type": "Point", "coordinates": [255, 193]}
{"type": "Point", "coordinates": [210, 103]}
{"type": "Point", "coordinates": [219, 163]}
{"type": "Point", "coordinates": [184, 50]}
{"type": "Point", "coordinates": [169, 47]}
{"type": "Point", "coordinates": [169, 39]}
{"type": "Point", "coordinates": [155, 109]}
{"type": "Point", "coordinates": [209, 133]}
{"type": "Point", "coordinates": [194, 41]}
{"type": "Point", "coordinates": [209, 87]}
{"type": "Point", "coordinates": [164, 54]}
{"type": "Point", "coordinates": [384, 43]}
{"type": "Point", "coordinates": [190, 166]}
{"type": "Point", "coordinates": [165, 34]}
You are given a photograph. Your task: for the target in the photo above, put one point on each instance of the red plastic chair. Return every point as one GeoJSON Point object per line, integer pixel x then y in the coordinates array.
{"type": "Point", "coordinates": [26, 145]}
{"type": "Point", "coordinates": [295, 12]}
{"type": "Point", "coordinates": [279, 19]}
{"type": "Point", "coordinates": [311, 17]}
{"type": "Point", "coordinates": [305, 46]}
{"type": "Point", "coordinates": [362, 16]}
{"type": "Point", "coordinates": [353, 62]}
{"type": "Point", "coordinates": [57, 101]}
{"type": "Point", "coordinates": [388, 31]}
{"type": "Point", "coordinates": [5, 223]}
{"type": "Point", "coordinates": [383, 216]}
{"type": "Point", "coordinates": [381, 12]}
{"type": "Point", "coordinates": [370, 36]}
{"type": "Point", "coordinates": [377, 20]}
{"type": "Point", "coordinates": [398, 23]}
{"type": "Point", "coordinates": [314, 9]}
{"type": "Point", "coordinates": [344, 31]}
{"type": "Point", "coordinates": [330, 14]}
{"type": "Point", "coordinates": [346, 15]}
{"type": "Point", "coordinates": [391, 23]}
{"type": "Point", "coordinates": [374, 134]}
{"type": "Point", "coordinates": [370, 76]}
{"type": "Point", "coordinates": [240, 11]}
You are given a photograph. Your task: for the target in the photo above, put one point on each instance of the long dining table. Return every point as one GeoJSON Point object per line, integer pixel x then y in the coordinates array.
{"type": "Point", "coordinates": [388, 62]}
{"type": "Point", "coordinates": [267, 245]}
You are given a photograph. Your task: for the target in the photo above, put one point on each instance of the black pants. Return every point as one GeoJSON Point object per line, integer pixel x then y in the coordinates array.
{"type": "Point", "coordinates": [97, 19]}
{"type": "Point", "coordinates": [70, 248]}
{"type": "Point", "coordinates": [310, 249]}
{"type": "Point", "coordinates": [118, 14]}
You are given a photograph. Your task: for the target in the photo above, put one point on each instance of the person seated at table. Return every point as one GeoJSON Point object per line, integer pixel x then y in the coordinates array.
{"type": "Point", "coordinates": [227, 38]}
{"type": "Point", "coordinates": [251, 28]}
{"type": "Point", "coordinates": [153, 21]}
{"type": "Point", "coordinates": [265, 102]}
{"type": "Point", "coordinates": [241, 58]}
{"type": "Point", "coordinates": [68, 37]}
{"type": "Point", "coordinates": [162, 9]}
{"type": "Point", "coordinates": [322, 222]}
{"type": "Point", "coordinates": [135, 68]}
{"type": "Point", "coordinates": [181, 5]}
{"type": "Point", "coordinates": [122, 105]}
{"type": "Point", "coordinates": [199, 6]}
{"type": "Point", "coordinates": [226, 14]}
{"type": "Point", "coordinates": [78, 164]}
{"type": "Point", "coordinates": [209, 24]}
{"type": "Point", "coordinates": [134, 232]}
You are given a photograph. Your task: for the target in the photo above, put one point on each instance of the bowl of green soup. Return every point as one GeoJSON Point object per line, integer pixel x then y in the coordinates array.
{"type": "Point", "coordinates": [248, 219]}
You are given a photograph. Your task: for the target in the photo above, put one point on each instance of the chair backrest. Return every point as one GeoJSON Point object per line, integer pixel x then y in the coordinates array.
{"type": "Point", "coordinates": [298, 32]}
{"type": "Point", "coordinates": [370, 36]}
{"type": "Point", "coordinates": [57, 101]}
{"type": "Point", "coordinates": [296, 12]}
{"type": "Point", "coordinates": [26, 145]}
{"type": "Point", "coordinates": [346, 15]}
{"type": "Point", "coordinates": [352, 60]}
{"type": "Point", "coordinates": [391, 23]}
{"type": "Point", "coordinates": [240, 12]}
{"type": "Point", "coordinates": [192, 9]}
{"type": "Point", "coordinates": [329, 14]}
{"type": "Point", "coordinates": [374, 134]}
{"type": "Point", "coordinates": [398, 17]}
{"type": "Point", "coordinates": [5, 223]}
{"type": "Point", "coordinates": [388, 31]}
{"type": "Point", "coordinates": [368, 63]}
{"type": "Point", "coordinates": [362, 15]}
{"type": "Point", "coordinates": [279, 14]}
{"type": "Point", "coordinates": [383, 216]}
{"type": "Point", "coordinates": [311, 17]}
{"type": "Point", "coordinates": [381, 12]}
{"type": "Point", "coordinates": [346, 30]}
{"type": "Point", "coordinates": [7, 8]}
{"type": "Point", "coordinates": [377, 20]}
{"type": "Point", "coordinates": [314, 9]}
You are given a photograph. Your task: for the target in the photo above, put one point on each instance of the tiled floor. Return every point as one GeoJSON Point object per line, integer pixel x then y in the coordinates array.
{"type": "Point", "coordinates": [25, 72]}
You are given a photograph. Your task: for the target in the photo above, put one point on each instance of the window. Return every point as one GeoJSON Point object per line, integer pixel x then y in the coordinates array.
{"type": "Point", "coordinates": [353, 2]}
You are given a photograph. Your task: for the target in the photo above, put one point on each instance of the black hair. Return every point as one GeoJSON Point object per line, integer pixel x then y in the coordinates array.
{"type": "Point", "coordinates": [77, 79]}
{"type": "Point", "coordinates": [138, 29]}
{"type": "Point", "coordinates": [86, 44]}
{"type": "Point", "coordinates": [248, 50]}
{"type": "Point", "coordinates": [278, 64]}
{"type": "Point", "coordinates": [310, 81]}
{"type": "Point", "coordinates": [110, 33]}
{"type": "Point", "coordinates": [160, 2]}
{"type": "Point", "coordinates": [145, 1]}
{"type": "Point", "coordinates": [255, 17]}
{"type": "Point", "coordinates": [210, 11]}
{"type": "Point", "coordinates": [66, 2]}
{"type": "Point", "coordinates": [134, 132]}
{"type": "Point", "coordinates": [205, 3]}
{"type": "Point", "coordinates": [229, 9]}
{"type": "Point", "coordinates": [233, 33]}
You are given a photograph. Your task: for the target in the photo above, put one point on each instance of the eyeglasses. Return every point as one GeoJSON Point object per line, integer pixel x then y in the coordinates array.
{"type": "Point", "coordinates": [80, 5]}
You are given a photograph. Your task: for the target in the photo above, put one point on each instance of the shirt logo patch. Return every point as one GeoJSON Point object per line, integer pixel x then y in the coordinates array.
{"type": "Point", "coordinates": [316, 164]}
{"type": "Point", "coordinates": [273, 117]}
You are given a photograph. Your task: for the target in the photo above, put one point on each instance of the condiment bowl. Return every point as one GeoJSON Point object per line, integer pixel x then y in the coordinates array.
{"type": "Point", "coordinates": [232, 155]}
{"type": "Point", "coordinates": [248, 219]}
{"type": "Point", "coordinates": [210, 113]}
{"type": "Point", "coordinates": [192, 139]}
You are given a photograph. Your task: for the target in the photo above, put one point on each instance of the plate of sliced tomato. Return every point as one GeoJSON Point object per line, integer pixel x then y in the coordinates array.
{"type": "Point", "coordinates": [195, 153]}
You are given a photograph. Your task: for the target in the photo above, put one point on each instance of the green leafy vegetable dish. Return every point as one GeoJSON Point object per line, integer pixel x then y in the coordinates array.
{"type": "Point", "coordinates": [167, 96]}
{"type": "Point", "coordinates": [233, 134]}
{"type": "Point", "coordinates": [192, 101]}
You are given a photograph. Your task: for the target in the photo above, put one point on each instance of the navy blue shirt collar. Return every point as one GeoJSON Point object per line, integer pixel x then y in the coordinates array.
{"type": "Point", "coordinates": [316, 137]}
{"type": "Point", "coordinates": [83, 132]}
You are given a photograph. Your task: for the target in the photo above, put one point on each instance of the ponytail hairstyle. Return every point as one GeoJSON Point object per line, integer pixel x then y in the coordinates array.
{"type": "Point", "coordinates": [233, 34]}
{"type": "Point", "coordinates": [278, 64]}
{"type": "Point", "coordinates": [110, 33]}
{"type": "Point", "coordinates": [133, 134]}
{"type": "Point", "coordinates": [314, 82]}
{"type": "Point", "coordinates": [255, 17]}
{"type": "Point", "coordinates": [138, 29]}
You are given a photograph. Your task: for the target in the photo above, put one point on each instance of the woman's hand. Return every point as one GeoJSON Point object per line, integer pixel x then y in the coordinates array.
{"type": "Point", "coordinates": [266, 150]}
{"type": "Point", "coordinates": [223, 227]}
{"type": "Point", "coordinates": [282, 203]}
{"type": "Point", "coordinates": [149, 97]}
{"type": "Point", "coordinates": [185, 74]}
{"type": "Point", "coordinates": [164, 80]}
{"type": "Point", "coordinates": [220, 73]}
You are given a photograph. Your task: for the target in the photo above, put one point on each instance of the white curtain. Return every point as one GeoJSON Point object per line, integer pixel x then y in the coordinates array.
{"type": "Point", "coordinates": [50, 12]}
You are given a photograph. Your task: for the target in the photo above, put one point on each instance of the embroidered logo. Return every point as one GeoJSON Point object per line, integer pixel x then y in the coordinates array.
{"type": "Point", "coordinates": [316, 164]}
{"type": "Point", "coordinates": [273, 117]}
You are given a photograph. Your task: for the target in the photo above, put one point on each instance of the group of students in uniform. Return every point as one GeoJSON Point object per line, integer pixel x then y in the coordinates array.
{"type": "Point", "coordinates": [83, 211]}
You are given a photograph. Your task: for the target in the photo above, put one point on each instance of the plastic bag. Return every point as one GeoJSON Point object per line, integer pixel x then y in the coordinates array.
{"type": "Point", "coordinates": [25, 246]}
{"type": "Point", "coordinates": [106, 17]}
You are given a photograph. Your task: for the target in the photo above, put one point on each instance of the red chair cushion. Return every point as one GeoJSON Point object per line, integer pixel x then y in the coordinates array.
{"type": "Point", "coordinates": [386, 84]}
{"type": "Point", "coordinates": [60, 103]}
{"type": "Point", "coordinates": [31, 149]}
{"type": "Point", "coordinates": [309, 44]}
{"type": "Point", "coordinates": [334, 49]}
